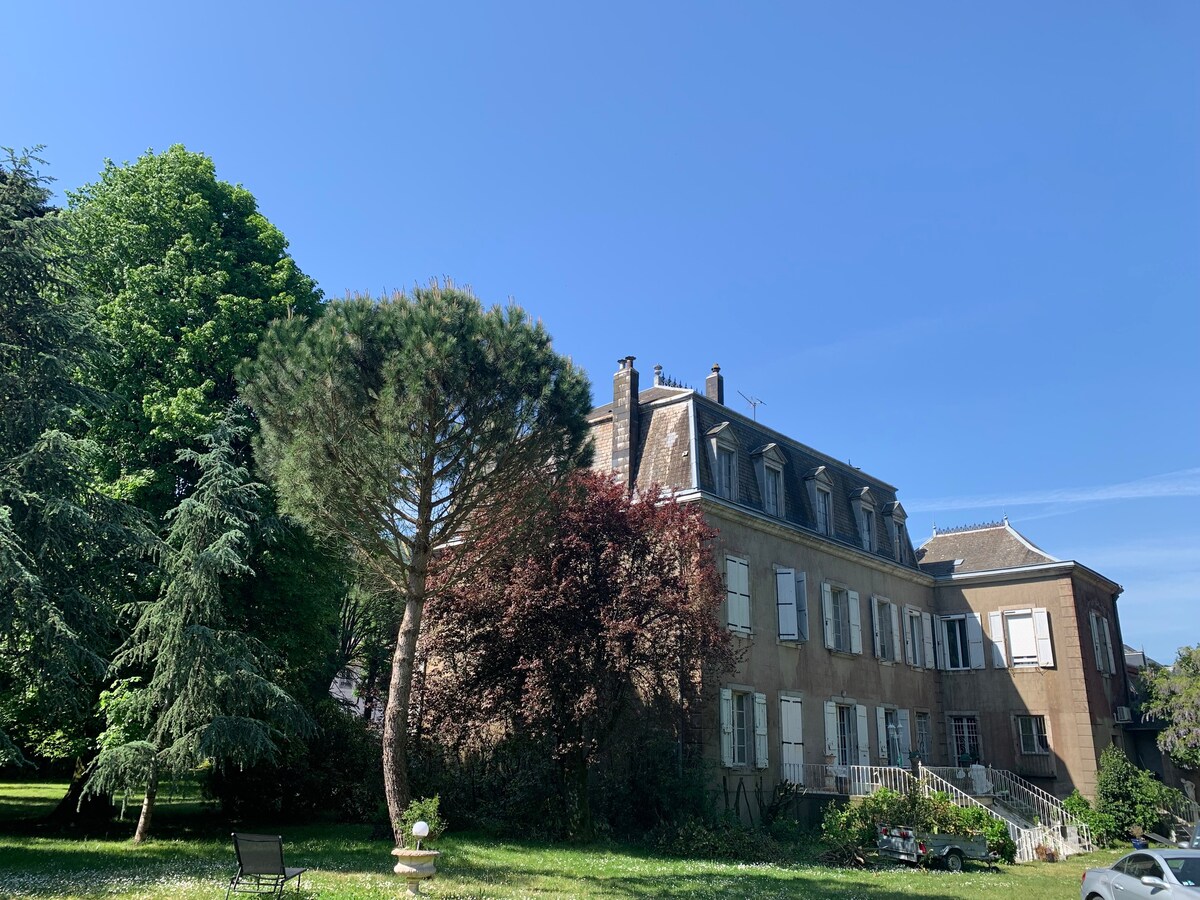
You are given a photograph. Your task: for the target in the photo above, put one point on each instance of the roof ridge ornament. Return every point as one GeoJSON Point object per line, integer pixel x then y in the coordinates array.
{"type": "Point", "coordinates": [978, 526]}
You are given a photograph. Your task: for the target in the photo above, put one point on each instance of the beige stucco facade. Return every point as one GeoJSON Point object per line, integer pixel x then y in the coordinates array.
{"type": "Point", "coordinates": [900, 656]}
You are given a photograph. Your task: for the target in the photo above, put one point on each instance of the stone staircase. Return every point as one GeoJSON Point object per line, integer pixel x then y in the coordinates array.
{"type": "Point", "coordinates": [1036, 820]}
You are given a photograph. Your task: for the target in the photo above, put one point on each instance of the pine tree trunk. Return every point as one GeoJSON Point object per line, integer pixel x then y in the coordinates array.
{"type": "Point", "coordinates": [143, 826]}
{"type": "Point", "coordinates": [77, 806]}
{"type": "Point", "coordinates": [395, 715]}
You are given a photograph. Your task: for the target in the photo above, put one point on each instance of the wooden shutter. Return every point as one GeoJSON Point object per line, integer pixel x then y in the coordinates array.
{"type": "Point", "coordinates": [1096, 642]}
{"type": "Point", "coordinates": [785, 602]}
{"type": "Point", "coordinates": [996, 628]}
{"type": "Point", "coordinates": [855, 623]}
{"type": "Point", "coordinates": [876, 626]}
{"type": "Point", "coordinates": [939, 635]}
{"type": "Point", "coordinates": [1108, 646]}
{"type": "Point", "coordinates": [737, 579]}
{"type": "Point", "coordinates": [760, 731]}
{"type": "Point", "coordinates": [975, 639]}
{"type": "Point", "coordinates": [831, 735]}
{"type": "Point", "coordinates": [881, 728]}
{"type": "Point", "coordinates": [927, 634]}
{"type": "Point", "coordinates": [905, 737]}
{"type": "Point", "coordinates": [827, 614]}
{"type": "Point", "coordinates": [802, 606]}
{"type": "Point", "coordinates": [895, 625]}
{"type": "Point", "coordinates": [1041, 629]}
{"type": "Point", "coordinates": [909, 649]}
{"type": "Point", "coordinates": [791, 739]}
{"type": "Point", "coordinates": [864, 740]}
{"type": "Point", "coordinates": [726, 727]}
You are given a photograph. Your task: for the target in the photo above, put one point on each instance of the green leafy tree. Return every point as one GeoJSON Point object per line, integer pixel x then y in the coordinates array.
{"type": "Point", "coordinates": [208, 692]}
{"type": "Point", "coordinates": [1129, 796]}
{"type": "Point", "coordinates": [62, 543]}
{"type": "Point", "coordinates": [396, 426]}
{"type": "Point", "coordinates": [186, 274]}
{"type": "Point", "coordinates": [1174, 698]}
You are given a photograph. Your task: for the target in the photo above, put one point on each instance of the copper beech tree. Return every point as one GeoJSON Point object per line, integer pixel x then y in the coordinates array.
{"type": "Point", "coordinates": [399, 426]}
{"type": "Point", "coordinates": [608, 607]}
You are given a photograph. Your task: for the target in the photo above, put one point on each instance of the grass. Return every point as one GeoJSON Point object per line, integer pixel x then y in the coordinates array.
{"type": "Point", "coordinates": [346, 864]}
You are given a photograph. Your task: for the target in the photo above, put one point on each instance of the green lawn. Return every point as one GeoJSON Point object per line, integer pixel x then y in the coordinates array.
{"type": "Point", "coordinates": [345, 864]}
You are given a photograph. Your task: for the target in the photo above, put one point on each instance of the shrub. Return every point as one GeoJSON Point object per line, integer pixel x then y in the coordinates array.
{"type": "Point", "coordinates": [1102, 825]}
{"type": "Point", "coordinates": [424, 810]}
{"type": "Point", "coordinates": [1131, 796]}
{"type": "Point", "coordinates": [725, 838]}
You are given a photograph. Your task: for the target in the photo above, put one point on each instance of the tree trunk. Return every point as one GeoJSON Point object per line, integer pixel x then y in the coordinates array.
{"type": "Point", "coordinates": [78, 807]}
{"type": "Point", "coordinates": [143, 826]}
{"type": "Point", "coordinates": [395, 714]}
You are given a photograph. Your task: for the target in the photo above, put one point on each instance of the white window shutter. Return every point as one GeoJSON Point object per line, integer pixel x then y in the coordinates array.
{"type": "Point", "coordinates": [881, 728]}
{"type": "Point", "coordinates": [864, 740]}
{"type": "Point", "coordinates": [876, 625]}
{"type": "Point", "coordinates": [791, 739]}
{"type": "Point", "coordinates": [996, 628]}
{"type": "Point", "coordinates": [726, 727]}
{"type": "Point", "coordinates": [785, 602]}
{"type": "Point", "coordinates": [831, 735]}
{"type": "Point", "coordinates": [939, 634]}
{"type": "Point", "coordinates": [927, 634]}
{"type": "Point", "coordinates": [802, 606]}
{"type": "Point", "coordinates": [855, 623]}
{"type": "Point", "coordinates": [1096, 642]}
{"type": "Point", "coordinates": [827, 613]}
{"type": "Point", "coordinates": [1041, 630]}
{"type": "Point", "coordinates": [1108, 646]}
{"type": "Point", "coordinates": [905, 737]}
{"type": "Point", "coordinates": [895, 623]}
{"type": "Point", "coordinates": [760, 731]}
{"type": "Point", "coordinates": [909, 649]}
{"type": "Point", "coordinates": [975, 639]}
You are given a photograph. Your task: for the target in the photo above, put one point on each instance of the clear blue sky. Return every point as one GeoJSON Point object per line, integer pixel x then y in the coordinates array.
{"type": "Point", "coordinates": [955, 243]}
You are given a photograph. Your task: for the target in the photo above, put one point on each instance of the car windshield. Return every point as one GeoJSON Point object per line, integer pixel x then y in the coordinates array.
{"type": "Point", "coordinates": [1186, 869]}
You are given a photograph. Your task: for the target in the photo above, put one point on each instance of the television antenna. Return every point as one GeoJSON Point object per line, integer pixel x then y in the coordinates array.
{"type": "Point", "coordinates": [755, 403]}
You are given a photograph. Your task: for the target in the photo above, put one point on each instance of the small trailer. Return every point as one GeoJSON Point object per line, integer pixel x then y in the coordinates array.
{"type": "Point", "coordinates": [911, 846]}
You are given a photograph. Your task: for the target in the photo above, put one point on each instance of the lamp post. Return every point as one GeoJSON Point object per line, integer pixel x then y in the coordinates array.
{"type": "Point", "coordinates": [414, 863]}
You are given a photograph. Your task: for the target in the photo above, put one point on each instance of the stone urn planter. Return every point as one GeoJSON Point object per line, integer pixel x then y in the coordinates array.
{"type": "Point", "coordinates": [414, 866]}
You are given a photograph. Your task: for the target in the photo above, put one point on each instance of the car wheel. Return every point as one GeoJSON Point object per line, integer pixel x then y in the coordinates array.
{"type": "Point", "coordinates": [954, 861]}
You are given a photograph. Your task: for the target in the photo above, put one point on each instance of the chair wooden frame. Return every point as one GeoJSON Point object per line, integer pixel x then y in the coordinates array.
{"type": "Point", "coordinates": [260, 866]}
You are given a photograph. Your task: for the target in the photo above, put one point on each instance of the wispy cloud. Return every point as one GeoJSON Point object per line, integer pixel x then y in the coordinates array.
{"type": "Point", "coordinates": [1184, 483]}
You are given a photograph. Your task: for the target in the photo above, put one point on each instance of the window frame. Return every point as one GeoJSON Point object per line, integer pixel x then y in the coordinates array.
{"type": "Point", "coordinates": [1039, 734]}
{"type": "Point", "coordinates": [970, 733]}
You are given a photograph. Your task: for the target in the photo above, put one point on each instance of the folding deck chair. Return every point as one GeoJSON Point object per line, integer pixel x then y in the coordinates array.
{"type": "Point", "coordinates": [260, 866]}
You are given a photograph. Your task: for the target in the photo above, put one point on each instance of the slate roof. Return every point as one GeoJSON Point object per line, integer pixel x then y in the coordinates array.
{"type": "Point", "coordinates": [649, 395]}
{"type": "Point", "coordinates": [979, 548]}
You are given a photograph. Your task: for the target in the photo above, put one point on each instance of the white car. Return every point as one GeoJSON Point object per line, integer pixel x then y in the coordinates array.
{"type": "Point", "coordinates": [1161, 874]}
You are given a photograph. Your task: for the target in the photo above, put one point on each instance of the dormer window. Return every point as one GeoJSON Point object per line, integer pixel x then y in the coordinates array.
{"type": "Point", "coordinates": [820, 495]}
{"type": "Point", "coordinates": [772, 491]}
{"type": "Point", "coordinates": [723, 454]}
{"type": "Point", "coordinates": [768, 467]}
{"type": "Point", "coordinates": [863, 503]}
{"type": "Point", "coordinates": [896, 517]}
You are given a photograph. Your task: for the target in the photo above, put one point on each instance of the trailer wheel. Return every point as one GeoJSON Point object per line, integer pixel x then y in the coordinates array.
{"type": "Point", "coordinates": [954, 861]}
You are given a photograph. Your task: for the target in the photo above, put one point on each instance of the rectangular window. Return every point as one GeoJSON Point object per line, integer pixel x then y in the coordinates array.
{"type": "Point", "coordinates": [901, 541]}
{"type": "Point", "coordinates": [1022, 643]}
{"type": "Point", "coordinates": [924, 736]}
{"type": "Point", "coordinates": [726, 471]}
{"type": "Point", "coordinates": [964, 739]}
{"type": "Point", "coordinates": [791, 601]}
{"type": "Point", "coordinates": [841, 619]}
{"type": "Point", "coordinates": [737, 593]}
{"type": "Point", "coordinates": [772, 491]}
{"type": "Point", "coordinates": [1032, 733]}
{"type": "Point", "coordinates": [885, 620]}
{"type": "Point", "coordinates": [957, 645]}
{"type": "Point", "coordinates": [824, 512]}
{"type": "Point", "coordinates": [914, 643]}
{"type": "Point", "coordinates": [743, 719]}
{"type": "Point", "coordinates": [847, 746]}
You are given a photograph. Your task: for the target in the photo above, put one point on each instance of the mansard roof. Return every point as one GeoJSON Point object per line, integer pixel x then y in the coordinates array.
{"type": "Point", "coordinates": [979, 548]}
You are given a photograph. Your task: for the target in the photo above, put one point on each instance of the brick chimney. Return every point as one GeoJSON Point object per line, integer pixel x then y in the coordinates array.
{"type": "Point", "coordinates": [625, 421]}
{"type": "Point", "coordinates": [714, 386]}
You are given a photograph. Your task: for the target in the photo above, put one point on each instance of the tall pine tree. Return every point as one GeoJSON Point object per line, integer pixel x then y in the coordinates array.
{"type": "Point", "coordinates": [196, 689]}
{"type": "Point", "coordinates": [62, 543]}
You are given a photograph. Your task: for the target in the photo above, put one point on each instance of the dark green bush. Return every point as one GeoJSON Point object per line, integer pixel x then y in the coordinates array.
{"type": "Point", "coordinates": [1102, 825]}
